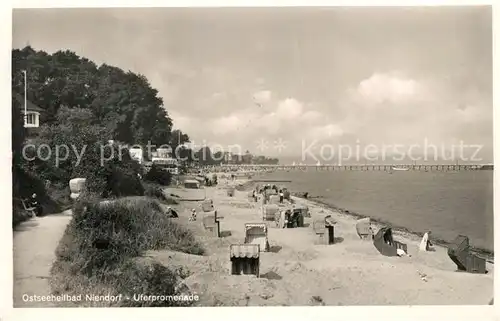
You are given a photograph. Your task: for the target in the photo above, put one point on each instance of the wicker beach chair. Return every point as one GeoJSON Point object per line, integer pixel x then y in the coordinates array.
{"type": "Point", "coordinates": [256, 233]}
{"type": "Point", "coordinates": [207, 205]}
{"type": "Point", "coordinates": [211, 224]}
{"type": "Point", "coordinates": [459, 253]}
{"type": "Point", "coordinates": [76, 186]}
{"type": "Point", "coordinates": [269, 211]}
{"type": "Point", "coordinates": [324, 233]}
{"type": "Point", "coordinates": [364, 229]}
{"type": "Point", "coordinates": [245, 259]}
{"type": "Point", "coordinates": [386, 245]}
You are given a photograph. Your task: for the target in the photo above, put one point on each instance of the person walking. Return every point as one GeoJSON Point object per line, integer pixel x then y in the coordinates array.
{"type": "Point", "coordinates": [282, 196]}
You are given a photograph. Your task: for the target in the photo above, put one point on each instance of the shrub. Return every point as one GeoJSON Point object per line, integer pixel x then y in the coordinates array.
{"type": "Point", "coordinates": [100, 243]}
{"type": "Point", "coordinates": [118, 176]}
{"type": "Point", "coordinates": [154, 279]}
{"type": "Point", "coordinates": [53, 200]}
{"type": "Point", "coordinates": [158, 175]}
{"type": "Point", "coordinates": [106, 234]}
{"type": "Point", "coordinates": [156, 192]}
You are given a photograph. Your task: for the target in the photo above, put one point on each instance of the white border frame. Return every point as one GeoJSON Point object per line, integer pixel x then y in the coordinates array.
{"type": "Point", "coordinates": [454, 313]}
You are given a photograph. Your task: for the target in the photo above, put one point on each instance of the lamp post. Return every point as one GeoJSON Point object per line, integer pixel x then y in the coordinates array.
{"type": "Point", "coordinates": [25, 99]}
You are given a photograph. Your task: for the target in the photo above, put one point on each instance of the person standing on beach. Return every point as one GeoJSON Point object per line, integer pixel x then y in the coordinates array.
{"type": "Point", "coordinates": [281, 196]}
{"type": "Point", "coordinates": [425, 244]}
{"type": "Point", "coordinates": [193, 215]}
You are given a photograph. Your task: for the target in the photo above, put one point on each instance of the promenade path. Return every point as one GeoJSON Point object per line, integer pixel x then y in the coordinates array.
{"type": "Point", "coordinates": [35, 242]}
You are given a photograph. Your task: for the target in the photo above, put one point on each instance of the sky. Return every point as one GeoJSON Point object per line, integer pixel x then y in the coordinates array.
{"type": "Point", "coordinates": [276, 81]}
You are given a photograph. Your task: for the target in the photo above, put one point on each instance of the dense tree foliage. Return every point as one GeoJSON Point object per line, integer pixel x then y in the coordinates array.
{"type": "Point", "coordinates": [123, 102]}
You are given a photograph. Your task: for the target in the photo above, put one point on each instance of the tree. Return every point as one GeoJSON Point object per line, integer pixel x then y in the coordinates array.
{"type": "Point", "coordinates": [123, 101]}
{"type": "Point", "coordinates": [18, 131]}
{"type": "Point", "coordinates": [247, 158]}
{"type": "Point", "coordinates": [177, 138]}
{"type": "Point", "coordinates": [204, 156]}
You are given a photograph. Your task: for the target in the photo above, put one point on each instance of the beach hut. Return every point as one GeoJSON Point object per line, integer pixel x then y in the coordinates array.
{"type": "Point", "coordinates": [385, 244]}
{"type": "Point", "coordinates": [207, 205]}
{"type": "Point", "coordinates": [191, 184]}
{"type": "Point", "coordinates": [364, 228]}
{"type": "Point", "coordinates": [245, 259]}
{"type": "Point", "coordinates": [256, 233]}
{"type": "Point", "coordinates": [76, 186]}
{"type": "Point", "coordinates": [212, 224]}
{"type": "Point", "coordinates": [459, 253]}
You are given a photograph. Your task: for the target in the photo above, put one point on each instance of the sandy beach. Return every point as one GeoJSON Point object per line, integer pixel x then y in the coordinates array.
{"type": "Point", "coordinates": [298, 272]}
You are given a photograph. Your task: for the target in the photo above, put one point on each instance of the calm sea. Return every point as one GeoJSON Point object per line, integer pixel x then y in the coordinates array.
{"type": "Point", "coordinates": [448, 204]}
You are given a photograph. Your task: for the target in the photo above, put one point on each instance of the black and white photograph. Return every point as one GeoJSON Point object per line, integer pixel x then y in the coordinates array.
{"type": "Point", "coordinates": [252, 156]}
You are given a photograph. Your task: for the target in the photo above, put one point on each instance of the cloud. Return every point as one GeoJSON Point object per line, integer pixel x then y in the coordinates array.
{"type": "Point", "coordinates": [325, 132]}
{"type": "Point", "coordinates": [381, 88]}
{"type": "Point", "coordinates": [289, 109]}
{"type": "Point", "coordinates": [262, 97]}
{"type": "Point", "coordinates": [390, 108]}
{"type": "Point", "coordinates": [288, 119]}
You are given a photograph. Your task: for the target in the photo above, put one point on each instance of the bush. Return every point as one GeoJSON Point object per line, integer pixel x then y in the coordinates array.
{"type": "Point", "coordinates": [156, 192]}
{"type": "Point", "coordinates": [154, 279]}
{"type": "Point", "coordinates": [103, 238]}
{"type": "Point", "coordinates": [106, 234]}
{"type": "Point", "coordinates": [118, 176]}
{"type": "Point", "coordinates": [158, 175]}
{"type": "Point", "coordinates": [53, 199]}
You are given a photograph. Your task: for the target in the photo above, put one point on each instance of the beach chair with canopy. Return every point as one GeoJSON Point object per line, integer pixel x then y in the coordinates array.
{"type": "Point", "coordinates": [295, 218]}
{"type": "Point", "coordinates": [274, 199]}
{"type": "Point", "coordinates": [324, 231]}
{"type": "Point", "coordinates": [230, 191]}
{"type": "Point", "coordinates": [207, 205]}
{"type": "Point", "coordinates": [245, 259]}
{"type": "Point", "coordinates": [256, 233]}
{"type": "Point", "coordinates": [459, 253]}
{"type": "Point", "coordinates": [211, 223]}
{"type": "Point", "coordinates": [269, 211]}
{"type": "Point", "coordinates": [386, 245]}
{"type": "Point", "coordinates": [76, 186]}
{"type": "Point", "coordinates": [364, 229]}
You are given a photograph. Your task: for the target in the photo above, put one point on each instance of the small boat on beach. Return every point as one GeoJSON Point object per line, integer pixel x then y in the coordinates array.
{"type": "Point", "coordinates": [400, 168]}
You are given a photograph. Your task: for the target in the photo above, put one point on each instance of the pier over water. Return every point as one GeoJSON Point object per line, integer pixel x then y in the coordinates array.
{"type": "Point", "coordinates": [384, 167]}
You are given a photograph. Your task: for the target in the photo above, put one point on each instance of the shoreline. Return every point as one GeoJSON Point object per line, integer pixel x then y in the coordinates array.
{"type": "Point", "coordinates": [397, 229]}
{"type": "Point", "coordinates": [401, 230]}
{"type": "Point", "coordinates": [298, 271]}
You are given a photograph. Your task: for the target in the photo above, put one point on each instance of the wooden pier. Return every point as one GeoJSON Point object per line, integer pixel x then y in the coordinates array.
{"type": "Point", "coordinates": [384, 168]}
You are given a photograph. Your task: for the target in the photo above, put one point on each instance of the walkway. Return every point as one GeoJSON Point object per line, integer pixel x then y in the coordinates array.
{"type": "Point", "coordinates": [35, 242]}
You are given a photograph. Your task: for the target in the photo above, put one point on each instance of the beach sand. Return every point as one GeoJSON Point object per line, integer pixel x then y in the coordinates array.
{"type": "Point", "coordinates": [298, 272]}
